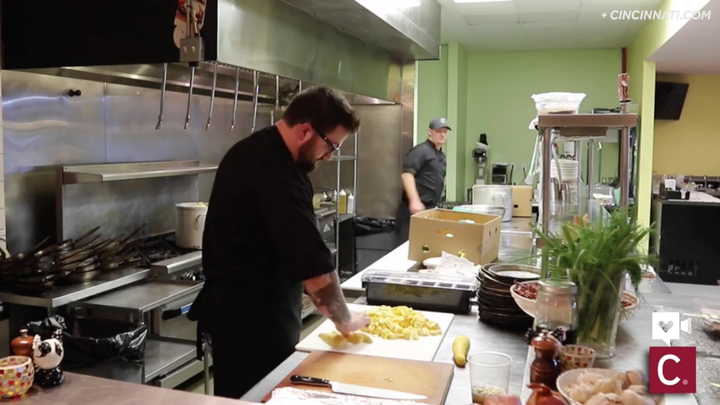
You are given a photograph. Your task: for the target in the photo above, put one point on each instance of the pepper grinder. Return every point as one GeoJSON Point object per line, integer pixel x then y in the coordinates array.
{"type": "Point", "coordinates": [23, 344]}
{"type": "Point", "coordinates": [545, 369]}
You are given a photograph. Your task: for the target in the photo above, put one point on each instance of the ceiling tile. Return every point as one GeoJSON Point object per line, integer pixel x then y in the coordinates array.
{"type": "Point", "coordinates": [491, 19]}
{"type": "Point", "coordinates": [537, 6]}
{"type": "Point", "coordinates": [567, 16]}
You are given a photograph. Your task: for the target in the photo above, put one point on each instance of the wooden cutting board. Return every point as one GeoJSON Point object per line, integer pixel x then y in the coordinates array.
{"type": "Point", "coordinates": [415, 377]}
{"type": "Point", "coordinates": [423, 349]}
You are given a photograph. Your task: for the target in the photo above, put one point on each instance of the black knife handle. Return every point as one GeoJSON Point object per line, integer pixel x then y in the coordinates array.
{"type": "Point", "coordinates": [315, 382]}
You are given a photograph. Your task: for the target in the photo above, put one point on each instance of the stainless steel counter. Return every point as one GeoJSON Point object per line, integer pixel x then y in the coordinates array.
{"type": "Point", "coordinates": [63, 295]}
{"type": "Point", "coordinates": [516, 245]}
{"type": "Point", "coordinates": [83, 389]}
{"type": "Point", "coordinates": [633, 340]}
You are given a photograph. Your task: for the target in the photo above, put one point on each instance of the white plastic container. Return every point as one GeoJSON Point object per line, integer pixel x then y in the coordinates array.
{"type": "Point", "coordinates": [190, 224]}
{"type": "Point", "coordinates": [351, 204]}
{"type": "Point", "coordinates": [558, 102]}
{"type": "Point", "coordinates": [342, 202]}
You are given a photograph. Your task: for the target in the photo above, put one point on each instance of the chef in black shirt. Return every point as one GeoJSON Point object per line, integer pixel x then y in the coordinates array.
{"type": "Point", "coordinates": [423, 177]}
{"type": "Point", "coordinates": [262, 248]}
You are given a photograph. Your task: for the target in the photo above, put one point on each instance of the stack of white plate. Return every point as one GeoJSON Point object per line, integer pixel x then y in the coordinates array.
{"type": "Point", "coordinates": [569, 169]}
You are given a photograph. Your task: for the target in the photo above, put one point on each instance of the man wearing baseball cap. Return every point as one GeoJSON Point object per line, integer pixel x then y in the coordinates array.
{"type": "Point", "coordinates": [423, 177]}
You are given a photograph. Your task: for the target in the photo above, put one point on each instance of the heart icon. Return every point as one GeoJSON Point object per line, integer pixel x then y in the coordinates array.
{"type": "Point", "coordinates": [665, 326]}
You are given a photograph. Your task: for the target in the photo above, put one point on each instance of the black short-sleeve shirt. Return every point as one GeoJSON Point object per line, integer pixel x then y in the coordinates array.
{"type": "Point", "coordinates": [428, 165]}
{"type": "Point", "coordinates": [261, 238]}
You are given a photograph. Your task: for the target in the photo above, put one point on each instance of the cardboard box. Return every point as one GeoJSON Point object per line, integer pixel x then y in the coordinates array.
{"type": "Point", "coordinates": [442, 231]}
{"type": "Point", "coordinates": [522, 201]}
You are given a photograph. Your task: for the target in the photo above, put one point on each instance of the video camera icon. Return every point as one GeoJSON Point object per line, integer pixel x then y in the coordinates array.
{"type": "Point", "coordinates": [667, 326]}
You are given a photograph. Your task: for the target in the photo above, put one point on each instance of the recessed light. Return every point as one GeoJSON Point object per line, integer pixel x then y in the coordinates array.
{"type": "Point", "coordinates": [480, 1]}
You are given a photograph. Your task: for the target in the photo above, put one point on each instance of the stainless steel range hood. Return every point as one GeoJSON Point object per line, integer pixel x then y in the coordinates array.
{"type": "Point", "coordinates": [358, 46]}
{"type": "Point", "coordinates": [407, 29]}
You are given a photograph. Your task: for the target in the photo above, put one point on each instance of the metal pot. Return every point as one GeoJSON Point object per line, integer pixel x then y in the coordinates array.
{"type": "Point", "coordinates": [487, 194]}
{"type": "Point", "coordinates": [190, 224]}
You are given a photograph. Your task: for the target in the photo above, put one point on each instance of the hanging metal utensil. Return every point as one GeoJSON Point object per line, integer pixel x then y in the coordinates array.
{"type": "Point", "coordinates": [235, 99]}
{"type": "Point", "coordinates": [277, 92]}
{"type": "Point", "coordinates": [162, 95]}
{"type": "Point", "coordinates": [256, 94]}
{"type": "Point", "coordinates": [190, 32]}
{"type": "Point", "coordinates": [212, 96]}
{"type": "Point", "coordinates": [190, 92]}
{"type": "Point", "coordinates": [277, 100]}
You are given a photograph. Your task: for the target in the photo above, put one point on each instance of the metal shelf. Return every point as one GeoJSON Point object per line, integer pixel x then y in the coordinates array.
{"type": "Point", "coordinates": [586, 125]}
{"type": "Point", "coordinates": [63, 295]}
{"type": "Point", "coordinates": [163, 356]}
{"type": "Point", "coordinates": [344, 217]}
{"type": "Point", "coordinates": [132, 171]}
{"type": "Point", "coordinates": [343, 158]}
{"type": "Point", "coordinates": [146, 296]}
{"type": "Point", "coordinates": [176, 264]}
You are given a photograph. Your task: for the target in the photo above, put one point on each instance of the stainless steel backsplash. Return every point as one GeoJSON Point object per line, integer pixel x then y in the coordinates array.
{"type": "Point", "coordinates": [110, 123]}
{"type": "Point", "coordinates": [44, 128]}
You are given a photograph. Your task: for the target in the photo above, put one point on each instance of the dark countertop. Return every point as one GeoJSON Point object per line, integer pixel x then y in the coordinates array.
{"type": "Point", "coordinates": [83, 389]}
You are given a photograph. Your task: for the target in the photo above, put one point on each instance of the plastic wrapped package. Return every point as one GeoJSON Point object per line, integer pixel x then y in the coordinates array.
{"type": "Point", "coordinates": [294, 396]}
{"type": "Point", "coordinates": [558, 102]}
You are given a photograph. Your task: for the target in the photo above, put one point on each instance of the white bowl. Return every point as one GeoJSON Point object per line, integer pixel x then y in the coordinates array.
{"type": "Point", "coordinates": [629, 309]}
{"type": "Point", "coordinates": [526, 304]}
{"type": "Point", "coordinates": [570, 377]}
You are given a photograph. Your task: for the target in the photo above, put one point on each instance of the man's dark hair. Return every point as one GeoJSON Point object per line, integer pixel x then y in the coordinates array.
{"type": "Point", "coordinates": [324, 109]}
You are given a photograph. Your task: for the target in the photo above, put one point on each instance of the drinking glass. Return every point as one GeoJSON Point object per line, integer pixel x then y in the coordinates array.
{"type": "Point", "coordinates": [489, 375]}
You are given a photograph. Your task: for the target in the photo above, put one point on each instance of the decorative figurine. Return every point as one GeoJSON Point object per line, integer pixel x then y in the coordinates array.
{"type": "Point", "coordinates": [47, 355]}
{"type": "Point", "coordinates": [23, 344]}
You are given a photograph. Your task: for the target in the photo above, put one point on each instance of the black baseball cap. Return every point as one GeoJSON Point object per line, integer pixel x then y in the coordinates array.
{"type": "Point", "coordinates": [439, 123]}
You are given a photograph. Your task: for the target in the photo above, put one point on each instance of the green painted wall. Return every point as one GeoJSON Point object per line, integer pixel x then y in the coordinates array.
{"type": "Point", "coordinates": [490, 93]}
{"type": "Point", "coordinates": [432, 92]}
{"type": "Point", "coordinates": [499, 86]}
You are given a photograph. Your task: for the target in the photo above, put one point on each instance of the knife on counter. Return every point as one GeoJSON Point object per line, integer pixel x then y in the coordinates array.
{"type": "Point", "coordinates": [350, 389]}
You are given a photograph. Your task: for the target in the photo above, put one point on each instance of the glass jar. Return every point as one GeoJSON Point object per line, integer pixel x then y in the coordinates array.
{"type": "Point", "coordinates": [556, 310]}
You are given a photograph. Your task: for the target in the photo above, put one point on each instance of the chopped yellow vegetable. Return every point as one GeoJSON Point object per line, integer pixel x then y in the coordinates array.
{"type": "Point", "coordinates": [400, 323]}
{"type": "Point", "coordinates": [335, 339]}
{"type": "Point", "coordinates": [460, 348]}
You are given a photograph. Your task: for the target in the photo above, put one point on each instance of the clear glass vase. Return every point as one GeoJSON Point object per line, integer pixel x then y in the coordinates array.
{"type": "Point", "coordinates": [600, 331]}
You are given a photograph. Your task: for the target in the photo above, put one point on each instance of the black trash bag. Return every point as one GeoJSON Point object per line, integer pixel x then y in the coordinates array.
{"type": "Point", "coordinates": [88, 341]}
{"type": "Point", "coordinates": [370, 226]}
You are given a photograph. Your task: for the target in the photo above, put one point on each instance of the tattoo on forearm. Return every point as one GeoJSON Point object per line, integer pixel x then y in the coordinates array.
{"type": "Point", "coordinates": [330, 301]}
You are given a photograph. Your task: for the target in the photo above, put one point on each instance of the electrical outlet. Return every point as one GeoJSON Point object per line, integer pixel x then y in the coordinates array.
{"type": "Point", "coordinates": [191, 49]}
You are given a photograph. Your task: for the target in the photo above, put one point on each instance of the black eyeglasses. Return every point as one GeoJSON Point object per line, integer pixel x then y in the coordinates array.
{"type": "Point", "coordinates": [333, 146]}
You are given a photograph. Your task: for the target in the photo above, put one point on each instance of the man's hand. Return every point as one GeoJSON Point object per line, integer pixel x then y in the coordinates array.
{"type": "Point", "coordinates": [357, 321]}
{"type": "Point", "coordinates": [415, 207]}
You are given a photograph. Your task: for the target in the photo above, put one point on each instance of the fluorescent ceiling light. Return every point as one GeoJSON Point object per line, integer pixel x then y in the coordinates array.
{"type": "Point", "coordinates": [480, 1]}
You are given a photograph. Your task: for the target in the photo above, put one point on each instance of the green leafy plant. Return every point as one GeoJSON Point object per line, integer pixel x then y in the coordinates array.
{"type": "Point", "coordinates": [597, 256]}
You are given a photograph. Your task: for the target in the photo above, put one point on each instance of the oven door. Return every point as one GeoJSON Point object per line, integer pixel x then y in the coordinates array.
{"type": "Point", "coordinates": [170, 320]}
